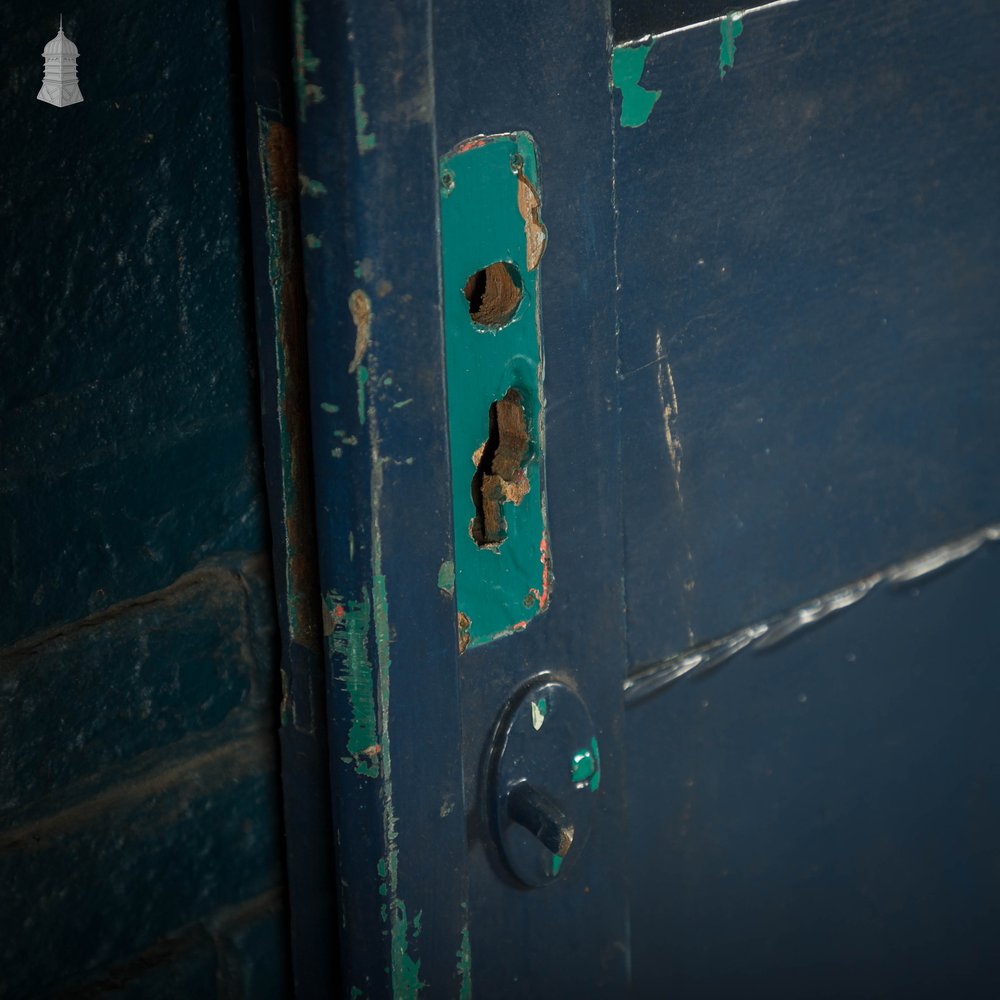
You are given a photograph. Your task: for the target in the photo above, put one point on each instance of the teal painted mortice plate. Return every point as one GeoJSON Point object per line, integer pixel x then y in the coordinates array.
{"type": "Point", "coordinates": [492, 240]}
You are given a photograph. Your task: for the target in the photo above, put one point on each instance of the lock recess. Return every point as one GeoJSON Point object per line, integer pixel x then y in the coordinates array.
{"type": "Point", "coordinates": [492, 240]}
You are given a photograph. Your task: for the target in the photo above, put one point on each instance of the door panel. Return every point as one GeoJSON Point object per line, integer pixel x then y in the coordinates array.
{"type": "Point", "coordinates": [809, 267]}
{"type": "Point", "coordinates": [819, 819]}
{"type": "Point", "coordinates": [808, 260]}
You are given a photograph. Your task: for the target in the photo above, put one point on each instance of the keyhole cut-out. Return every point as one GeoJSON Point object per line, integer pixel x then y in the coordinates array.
{"type": "Point", "coordinates": [500, 476]}
{"type": "Point", "coordinates": [493, 294]}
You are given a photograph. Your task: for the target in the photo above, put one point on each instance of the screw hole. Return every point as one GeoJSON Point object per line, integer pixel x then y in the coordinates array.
{"type": "Point", "coordinates": [493, 294]}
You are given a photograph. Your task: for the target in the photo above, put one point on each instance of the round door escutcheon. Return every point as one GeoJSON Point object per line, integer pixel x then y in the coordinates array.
{"type": "Point", "coordinates": [546, 767]}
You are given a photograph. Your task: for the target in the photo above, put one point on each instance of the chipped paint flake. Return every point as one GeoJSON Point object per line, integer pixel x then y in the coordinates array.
{"type": "Point", "coordinates": [535, 233]}
{"type": "Point", "coordinates": [730, 27]}
{"type": "Point", "coordinates": [538, 711]}
{"type": "Point", "coordinates": [464, 631]}
{"type": "Point", "coordinates": [627, 65]}
{"type": "Point", "coordinates": [361, 312]}
{"type": "Point", "coordinates": [346, 623]}
{"type": "Point", "coordinates": [446, 577]}
{"type": "Point", "coordinates": [313, 241]}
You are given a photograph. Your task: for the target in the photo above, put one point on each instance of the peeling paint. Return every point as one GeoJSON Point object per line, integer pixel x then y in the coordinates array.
{"type": "Point", "coordinates": [405, 969]}
{"type": "Point", "coordinates": [276, 154]}
{"type": "Point", "coordinates": [529, 205]}
{"type": "Point", "coordinates": [446, 577]}
{"type": "Point", "coordinates": [304, 62]}
{"type": "Point", "coordinates": [346, 626]}
{"type": "Point", "coordinates": [361, 312]}
{"type": "Point", "coordinates": [627, 64]}
{"type": "Point", "coordinates": [464, 965]}
{"type": "Point", "coordinates": [730, 27]}
{"type": "Point", "coordinates": [464, 631]}
{"type": "Point", "coordinates": [329, 407]}
{"type": "Point", "coordinates": [538, 711]}
{"type": "Point", "coordinates": [365, 139]}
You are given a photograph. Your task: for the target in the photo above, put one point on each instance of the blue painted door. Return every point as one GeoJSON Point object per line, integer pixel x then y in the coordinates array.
{"type": "Point", "coordinates": [769, 367]}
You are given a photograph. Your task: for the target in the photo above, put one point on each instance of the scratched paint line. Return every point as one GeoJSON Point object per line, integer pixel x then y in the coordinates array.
{"type": "Point", "coordinates": [665, 382]}
{"type": "Point", "coordinates": [404, 968]}
{"type": "Point", "coordinates": [656, 36]}
{"type": "Point", "coordinates": [464, 964]}
{"type": "Point", "coordinates": [669, 410]}
{"type": "Point", "coordinates": [651, 679]}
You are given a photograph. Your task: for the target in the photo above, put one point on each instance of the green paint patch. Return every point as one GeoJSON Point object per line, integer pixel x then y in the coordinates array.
{"type": "Point", "coordinates": [346, 624]}
{"type": "Point", "coordinates": [400, 405]}
{"type": "Point", "coordinates": [365, 139]}
{"type": "Point", "coordinates": [627, 65]}
{"type": "Point", "coordinates": [403, 966]}
{"type": "Point", "coordinates": [491, 230]}
{"type": "Point", "coordinates": [446, 577]}
{"type": "Point", "coordinates": [595, 781]}
{"type": "Point", "coordinates": [583, 766]}
{"type": "Point", "coordinates": [313, 241]}
{"type": "Point", "coordinates": [361, 376]}
{"type": "Point", "coordinates": [329, 407]}
{"type": "Point", "coordinates": [731, 28]}
{"type": "Point", "coordinates": [556, 864]}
